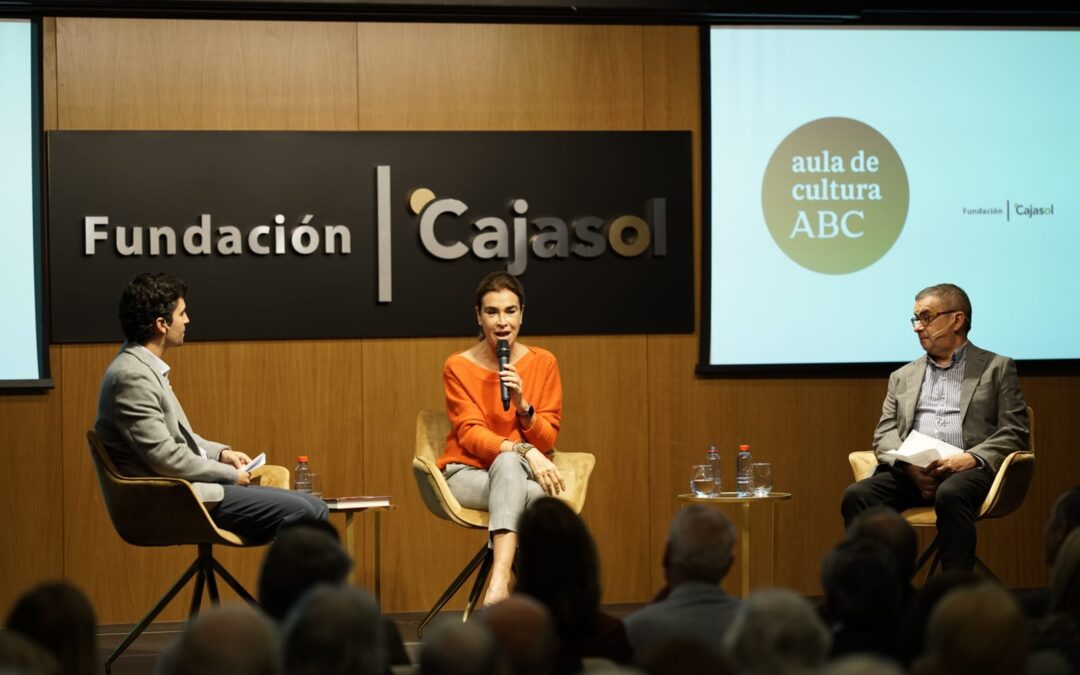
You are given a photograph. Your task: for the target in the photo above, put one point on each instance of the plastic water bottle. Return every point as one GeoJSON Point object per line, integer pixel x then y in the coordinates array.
{"type": "Point", "coordinates": [742, 471]}
{"type": "Point", "coordinates": [712, 458]}
{"type": "Point", "coordinates": [302, 475]}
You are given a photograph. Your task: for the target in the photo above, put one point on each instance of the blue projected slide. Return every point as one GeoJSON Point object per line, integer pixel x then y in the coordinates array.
{"type": "Point", "coordinates": [20, 339]}
{"type": "Point", "coordinates": [852, 168]}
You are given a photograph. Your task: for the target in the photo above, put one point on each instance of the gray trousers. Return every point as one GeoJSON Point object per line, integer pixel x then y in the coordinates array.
{"type": "Point", "coordinates": [505, 490]}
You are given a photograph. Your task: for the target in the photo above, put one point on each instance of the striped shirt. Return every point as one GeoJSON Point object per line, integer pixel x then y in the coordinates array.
{"type": "Point", "coordinates": [937, 412]}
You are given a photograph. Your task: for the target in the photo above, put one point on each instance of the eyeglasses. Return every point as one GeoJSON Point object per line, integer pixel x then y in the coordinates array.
{"type": "Point", "coordinates": [927, 318]}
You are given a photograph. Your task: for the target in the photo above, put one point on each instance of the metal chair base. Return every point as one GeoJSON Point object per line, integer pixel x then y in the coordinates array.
{"type": "Point", "coordinates": [483, 559]}
{"type": "Point", "coordinates": [932, 554]}
{"type": "Point", "coordinates": [203, 569]}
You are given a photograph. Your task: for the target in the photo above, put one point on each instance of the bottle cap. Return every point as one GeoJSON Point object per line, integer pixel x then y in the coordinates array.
{"type": "Point", "coordinates": [302, 458]}
{"type": "Point", "coordinates": [744, 447]}
{"type": "Point", "coordinates": [712, 448]}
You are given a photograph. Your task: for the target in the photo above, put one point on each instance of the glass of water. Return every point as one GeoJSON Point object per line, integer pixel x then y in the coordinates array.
{"type": "Point", "coordinates": [702, 482]}
{"type": "Point", "coordinates": [761, 479]}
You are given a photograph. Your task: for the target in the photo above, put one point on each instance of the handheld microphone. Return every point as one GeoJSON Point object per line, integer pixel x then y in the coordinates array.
{"type": "Point", "coordinates": [502, 352]}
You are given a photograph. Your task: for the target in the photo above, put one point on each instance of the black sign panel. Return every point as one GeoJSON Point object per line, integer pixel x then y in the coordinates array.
{"type": "Point", "coordinates": [372, 234]}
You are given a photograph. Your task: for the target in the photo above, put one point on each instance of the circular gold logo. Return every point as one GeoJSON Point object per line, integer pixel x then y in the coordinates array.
{"type": "Point", "coordinates": [835, 195]}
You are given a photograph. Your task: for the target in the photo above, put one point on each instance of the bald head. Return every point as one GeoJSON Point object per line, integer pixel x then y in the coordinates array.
{"type": "Point", "coordinates": [524, 633]}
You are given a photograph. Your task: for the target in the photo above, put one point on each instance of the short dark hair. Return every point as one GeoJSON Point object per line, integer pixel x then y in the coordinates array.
{"type": "Point", "coordinates": [859, 580]}
{"type": "Point", "coordinates": [147, 297]}
{"type": "Point", "coordinates": [499, 281]}
{"type": "Point", "coordinates": [300, 558]}
{"type": "Point", "coordinates": [952, 295]}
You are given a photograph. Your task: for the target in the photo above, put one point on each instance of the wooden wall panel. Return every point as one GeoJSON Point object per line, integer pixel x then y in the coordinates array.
{"type": "Point", "coordinates": [672, 102]}
{"type": "Point", "coordinates": [499, 77]}
{"type": "Point", "coordinates": [32, 498]}
{"type": "Point", "coordinates": [184, 74]}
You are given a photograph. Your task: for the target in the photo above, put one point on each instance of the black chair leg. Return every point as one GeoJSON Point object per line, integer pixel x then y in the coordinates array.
{"type": "Point", "coordinates": [196, 596]}
{"type": "Point", "coordinates": [454, 586]}
{"type": "Point", "coordinates": [232, 582]}
{"type": "Point", "coordinates": [152, 614]}
{"type": "Point", "coordinates": [478, 585]}
{"type": "Point", "coordinates": [985, 570]}
{"type": "Point", "coordinates": [930, 551]}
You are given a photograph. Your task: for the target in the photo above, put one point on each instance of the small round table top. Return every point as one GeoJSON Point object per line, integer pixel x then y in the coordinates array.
{"type": "Point", "coordinates": [734, 498]}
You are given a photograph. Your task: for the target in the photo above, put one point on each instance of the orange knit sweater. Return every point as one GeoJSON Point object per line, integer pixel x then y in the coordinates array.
{"type": "Point", "coordinates": [478, 424]}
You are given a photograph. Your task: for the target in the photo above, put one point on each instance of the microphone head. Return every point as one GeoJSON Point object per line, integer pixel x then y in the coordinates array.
{"type": "Point", "coordinates": [502, 348]}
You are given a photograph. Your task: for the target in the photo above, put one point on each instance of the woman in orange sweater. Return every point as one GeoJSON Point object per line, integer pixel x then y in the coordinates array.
{"type": "Point", "coordinates": [496, 460]}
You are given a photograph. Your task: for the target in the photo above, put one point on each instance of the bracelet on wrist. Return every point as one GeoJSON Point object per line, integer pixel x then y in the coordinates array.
{"type": "Point", "coordinates": [523, 448]}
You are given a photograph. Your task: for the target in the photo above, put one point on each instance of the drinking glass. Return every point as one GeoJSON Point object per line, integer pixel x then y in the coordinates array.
{"type": "Point", "coordinates": [316, 486]}
{"type": "Point", "coordinates": [761, 479]}
{"type": "Point", "coordinates": [702, 482]}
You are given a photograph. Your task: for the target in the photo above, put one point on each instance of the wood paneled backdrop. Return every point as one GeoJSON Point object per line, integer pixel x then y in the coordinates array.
{"type": "Point", "coordinates": [633, 401]}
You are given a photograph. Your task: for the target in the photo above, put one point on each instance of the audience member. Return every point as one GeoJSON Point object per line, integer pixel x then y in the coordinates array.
{"type": "Point", "coordinates": [862, 597]}
{"type": "Point", "coordinates": [456, 648]}
{"type": "Point", "coordinates": [58, 618]}
{"type": "Point", "coordinates": [776, 632]}
{"type": "Point", "coordinates": [524, 635]}
{"type": "Point", "coordinates": [682, 656]}
{"type": "Point", "coordinates": [225, 640]}
{"type": "Point", "coordinates": [1059, 631]}
{"type": "Point", "coordinates": [302, 557]}
{"type": "Point", "coordinates": [885, 525]}
{"type": "Point", "coordinates": [975, 630]}
{"type": "Point", "coordinates": [1064, 518]}
{"type": "Point", "coordinates": [912, 634]}
{"type": "Point", "coordinates": [697, 555]}
{"type": "Point", "coordinates": [558, 565]}
{"type": "Point", "coordinates": [21, 656]}
{"type": "Point", "coordinates": [333, 630]}
{"type": "Point", "coordinates": [862, 664]}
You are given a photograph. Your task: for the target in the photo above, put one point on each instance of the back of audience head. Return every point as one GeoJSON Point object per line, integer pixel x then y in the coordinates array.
{"type": "Point", "coordinates": [892, 530]}
{"type": "Point", "coordinates": [225, 640]}
{"type": "Point", "coordinates": [20, 655]}
{"type": "Point", "coordinates": [977, 630]}
{"type": "Point", "coordinates": [58, 617]}
{"type": "Point", "coordinates": [334, 630]}
{"type": "Point", "coordinates": [913, 632]}
{"type": "Point", "coordinates": [683, 656]}
{"type": "Point", "coordinates": [699, 546]}
{"type": "Point", "coordinates": [776, 631]}
{"type": "Point", "coordinates": [859, 580]}
{"type": "Point", "coordinates": [297, 560]}
{"type": "Point", "coordinates": [524, 635]}
{"type": "Point", "coordinates": [558, 565]}
{"type": "Point", "coordinates": [1064, 518]}
{"type": "Point", "coordinates": [1065, 578]}
{"type": "Point", "coordinates": [456, 648]}
{"type": "Point", "coordinates": [862, 664]}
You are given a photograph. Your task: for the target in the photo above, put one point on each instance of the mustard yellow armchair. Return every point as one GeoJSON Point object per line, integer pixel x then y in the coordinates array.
{"type": "Point", "coordinates": [158, 511]}
{"type": "Point", "coordinates": [1006, 494]}
{"type": "Point", "coordinates": [432, 427]}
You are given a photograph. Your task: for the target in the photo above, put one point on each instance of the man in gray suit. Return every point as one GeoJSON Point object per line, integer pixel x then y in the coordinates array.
{"type": "Point", "coordinates": [697, 556]}
{"type": "Point", "coordinates": [146, 432]}
{"type": "Point", "coordinates": [957, 393]}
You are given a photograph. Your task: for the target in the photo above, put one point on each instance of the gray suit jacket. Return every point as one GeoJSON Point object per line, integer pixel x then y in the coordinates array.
{"type": "Point", "coordinates": [146, 433]}
{"type": "Point", "coordinates": [693, 610]}
{"type": "Point", "coordinates": [992, 409]}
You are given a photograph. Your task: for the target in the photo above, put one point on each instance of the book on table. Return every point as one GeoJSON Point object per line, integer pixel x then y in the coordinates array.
{"type": "Point", "coordinates": [357, 502]}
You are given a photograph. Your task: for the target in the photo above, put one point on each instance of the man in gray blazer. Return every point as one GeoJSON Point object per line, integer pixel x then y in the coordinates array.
{"type": "Point", "coordinates": [957, 393]}
{"type": "Point", "coordinates": [146, 432]}
{"type": "Point", "coordinates": [692, 606]}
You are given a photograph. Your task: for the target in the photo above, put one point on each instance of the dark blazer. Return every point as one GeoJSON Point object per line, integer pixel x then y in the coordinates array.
{"type": "Point", "coordinates": [992, 409]}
